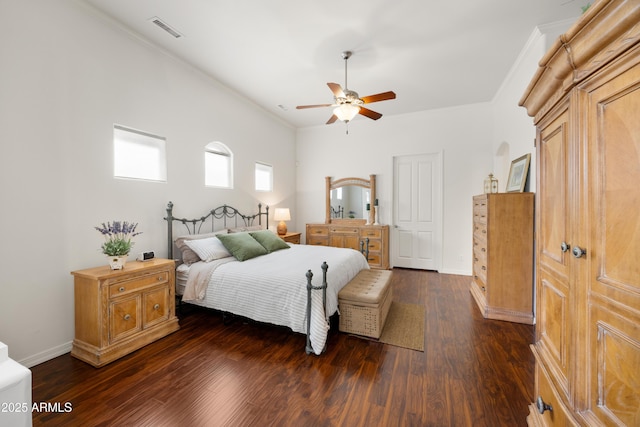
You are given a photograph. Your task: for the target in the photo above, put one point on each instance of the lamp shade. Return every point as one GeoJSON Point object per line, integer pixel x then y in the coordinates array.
{"type": "Point", "coordinates": [282, 214]}
{"type": "Point", "coordinates": [346, 112]}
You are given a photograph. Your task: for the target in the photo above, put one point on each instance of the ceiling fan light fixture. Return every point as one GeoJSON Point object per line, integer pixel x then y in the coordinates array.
{"type": "Point", "coordinates": [346, 112]}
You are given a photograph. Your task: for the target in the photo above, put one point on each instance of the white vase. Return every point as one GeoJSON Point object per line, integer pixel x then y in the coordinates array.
{"type": "Point", "coordinates": [117, 262]}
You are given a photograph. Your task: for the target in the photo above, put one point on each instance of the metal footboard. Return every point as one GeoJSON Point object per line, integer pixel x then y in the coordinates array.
{"type": "Point", "coordinates": [310, 287]}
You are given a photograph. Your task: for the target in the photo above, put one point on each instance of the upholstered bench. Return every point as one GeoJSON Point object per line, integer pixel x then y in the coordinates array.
{"type": "Point", "coordinates": [364, 303]}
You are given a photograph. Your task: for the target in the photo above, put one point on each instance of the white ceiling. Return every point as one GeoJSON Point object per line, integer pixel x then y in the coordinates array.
{"type": "Point", "coordinates": [432, 54]}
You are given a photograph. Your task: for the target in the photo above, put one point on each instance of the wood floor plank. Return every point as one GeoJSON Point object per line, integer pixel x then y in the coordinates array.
{"type": "Point", "coordinates": [473, 372]}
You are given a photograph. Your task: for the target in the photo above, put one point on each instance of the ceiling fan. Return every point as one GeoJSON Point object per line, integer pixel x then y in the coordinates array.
{"type": "Point", "coordinates": [347, 102]}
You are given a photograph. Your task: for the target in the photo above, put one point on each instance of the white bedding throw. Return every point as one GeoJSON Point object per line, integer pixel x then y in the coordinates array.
{"type": "Point", "coordinates": [273, 288]}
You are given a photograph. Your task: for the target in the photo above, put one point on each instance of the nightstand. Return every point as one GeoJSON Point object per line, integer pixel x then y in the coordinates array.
{"type": "Point", "coordinates": [120, 311]}
{"type": "Point", "coordinates": [291, 237]}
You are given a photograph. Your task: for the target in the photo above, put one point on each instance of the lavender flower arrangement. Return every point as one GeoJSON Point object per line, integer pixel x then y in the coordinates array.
{"type": "Point", "coordinates": [117, 237]}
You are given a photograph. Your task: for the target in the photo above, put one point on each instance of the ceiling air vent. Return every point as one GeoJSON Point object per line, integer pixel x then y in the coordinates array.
{"type": "Point", "coordinates": [160, 23]}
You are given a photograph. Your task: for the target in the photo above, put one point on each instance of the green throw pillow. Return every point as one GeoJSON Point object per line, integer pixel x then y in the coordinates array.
{"type": "Point", "coordinates": [270, 241]}
{"type": "Point", "coordinates": [242, 246]}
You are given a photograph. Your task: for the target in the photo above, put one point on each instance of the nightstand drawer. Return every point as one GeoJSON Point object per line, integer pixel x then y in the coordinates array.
{"type": "Point", "coordinates": [127, 286]}
{"type": "Point", "coordinates": [291, 238]}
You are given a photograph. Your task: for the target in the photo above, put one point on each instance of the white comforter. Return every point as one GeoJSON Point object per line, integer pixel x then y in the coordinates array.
{"type": "Point", "coordinates": [273, 288]}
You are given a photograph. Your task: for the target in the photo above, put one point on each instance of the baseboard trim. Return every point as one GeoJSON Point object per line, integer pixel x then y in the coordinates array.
{"type": "Point", "coordinates": [43, 356]}
{"type": "Point", "coordinates": [457, 272]}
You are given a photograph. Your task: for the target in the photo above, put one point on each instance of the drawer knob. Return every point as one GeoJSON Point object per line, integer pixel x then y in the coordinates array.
{"type": "Point", "coordinates": [127, 317]}
{"type": "Point", "coordinates": [159, 278]}
{"type": "Point", "coordinates": [542, 406]}
{"type": "Point", "coordinates": [156, 307]}
{"type": "Point", "coordinates": [121, 289]}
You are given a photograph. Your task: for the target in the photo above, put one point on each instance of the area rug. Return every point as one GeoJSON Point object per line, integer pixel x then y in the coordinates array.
{"type": "Point", "coordinates": [404, 326]}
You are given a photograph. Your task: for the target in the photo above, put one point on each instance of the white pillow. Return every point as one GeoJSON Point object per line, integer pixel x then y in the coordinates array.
{"type": "Point", "coordinates": [208, 249]}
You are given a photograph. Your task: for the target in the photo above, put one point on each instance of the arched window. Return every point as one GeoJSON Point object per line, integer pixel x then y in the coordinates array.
{"type": "Point", "coordinates": [218, 165]}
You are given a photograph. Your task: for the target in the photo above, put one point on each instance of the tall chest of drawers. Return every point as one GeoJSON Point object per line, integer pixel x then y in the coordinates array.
{"type": "Point", "coordinates": [120, 311]}
{"type": "Point", "coordinates": [502, 283]}
{"type": "Point", "coordinates": [352, 236]}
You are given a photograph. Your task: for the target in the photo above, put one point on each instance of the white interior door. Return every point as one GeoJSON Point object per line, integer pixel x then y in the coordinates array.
{"type": "Point", "coordinates": [417, 206]}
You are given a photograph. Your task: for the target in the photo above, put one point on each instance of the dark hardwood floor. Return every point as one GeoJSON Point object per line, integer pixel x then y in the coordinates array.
{"type": "Point", "coordinates": [473, 372]}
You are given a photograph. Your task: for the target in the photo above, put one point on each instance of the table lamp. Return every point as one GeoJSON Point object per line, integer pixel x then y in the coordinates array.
{"type": "Point", "coordinates": [282, 215]}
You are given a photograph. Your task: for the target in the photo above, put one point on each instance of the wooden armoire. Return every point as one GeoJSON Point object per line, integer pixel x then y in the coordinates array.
{"type": "Point", "coordinates": [585, 100]}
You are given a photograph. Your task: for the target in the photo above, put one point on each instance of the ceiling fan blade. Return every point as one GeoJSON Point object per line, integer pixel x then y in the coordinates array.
{"type": "Point", "coordinates": [336, 89]}
{"type": "Point", "coordinates": [378, 97]}
{"type": "Point", "coordinates": [369, 113]}
{"type": "Point", "coordinates": [332, 119]}
{"type": "Point", "coordinates": [301, 107]}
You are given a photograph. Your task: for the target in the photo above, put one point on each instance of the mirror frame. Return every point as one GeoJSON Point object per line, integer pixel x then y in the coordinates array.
{"type": "Point", "coordinates": [360, 182]}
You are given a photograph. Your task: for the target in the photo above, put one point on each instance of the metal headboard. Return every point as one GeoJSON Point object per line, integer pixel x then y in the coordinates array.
{"type": "Point", "coordinates": [221, 213]}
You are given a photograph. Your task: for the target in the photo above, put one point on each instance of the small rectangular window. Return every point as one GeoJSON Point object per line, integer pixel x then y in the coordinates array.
{"type": "Point", "coordinates": [218, 170]}
{"type": "Point", "coordinates": [264, 177]}
{"type": "Point", "coordinates": [139, 155]}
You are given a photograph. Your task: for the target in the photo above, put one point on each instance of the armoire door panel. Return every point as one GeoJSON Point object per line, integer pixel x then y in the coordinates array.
{"type": "Point", "coordinates": [614, 249]}
{"type": "Point", "coordinates": [615, 144]}
{"type": "Point", "coordinates": [554, 203]}
{"type": "Point", "coordinates": [615, 377]}
{"type": "Point", "coordinates": [552, 323]}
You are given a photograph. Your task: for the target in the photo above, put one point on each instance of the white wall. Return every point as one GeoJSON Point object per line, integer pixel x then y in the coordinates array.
{"type": "Point", "coordinates": [513, 131]}
{"type": "Point", "coordinates": [463, 134]}
{"type": "Point", "coordinates": [67, 75]}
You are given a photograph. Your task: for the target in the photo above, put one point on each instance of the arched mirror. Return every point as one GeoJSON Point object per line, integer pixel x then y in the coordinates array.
{"type": "Point", "coordinates": [350, 200]}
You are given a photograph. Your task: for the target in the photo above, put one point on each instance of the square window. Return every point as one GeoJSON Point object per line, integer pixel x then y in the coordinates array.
{"type": "Point", "coordinates": [139, 155]}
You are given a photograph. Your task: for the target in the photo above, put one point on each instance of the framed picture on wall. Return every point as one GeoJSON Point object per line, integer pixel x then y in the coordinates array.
{"type": "Point", "coordinates": [518, 174]}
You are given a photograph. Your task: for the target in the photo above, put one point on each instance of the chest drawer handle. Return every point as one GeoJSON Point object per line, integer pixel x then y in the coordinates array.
{"type": "Point", "coordinates": [121, 289]}
{"type": "Point", "coordinates": [156, 307]}
{"type": "Point", "coordinates": [127, 317]}
{"type": "Point", "coordinates": [160, 278]}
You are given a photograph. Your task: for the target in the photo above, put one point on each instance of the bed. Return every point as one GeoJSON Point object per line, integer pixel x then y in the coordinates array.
{"type": "Point", "coordinates": [217, 268]}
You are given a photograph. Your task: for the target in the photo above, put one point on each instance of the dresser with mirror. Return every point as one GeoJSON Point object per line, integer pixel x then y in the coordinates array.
{"type": "Point", "coordinates": [351, 220]}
